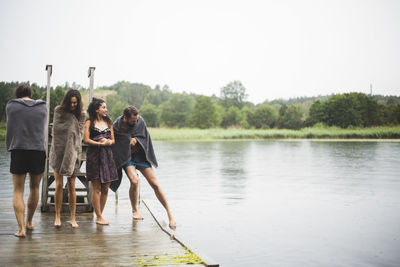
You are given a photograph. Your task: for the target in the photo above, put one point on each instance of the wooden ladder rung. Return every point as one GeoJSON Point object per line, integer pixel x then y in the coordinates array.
{"type": "Point", "coordinates": [77, 174]}
{"type": "Point", "coordinates": [76, 189]}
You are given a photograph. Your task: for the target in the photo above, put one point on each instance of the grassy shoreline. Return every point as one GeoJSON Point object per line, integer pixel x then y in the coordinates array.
{"type": "Point", "coordinates": [2, 130]}
{"type": "Point", "coordinates": [168, 134]}
{"type": "Point", "coordinates": [172, 134]}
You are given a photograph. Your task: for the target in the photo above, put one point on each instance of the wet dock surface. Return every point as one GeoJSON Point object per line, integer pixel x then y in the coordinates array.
{"type": "Point", "coordinates": [125, 242]}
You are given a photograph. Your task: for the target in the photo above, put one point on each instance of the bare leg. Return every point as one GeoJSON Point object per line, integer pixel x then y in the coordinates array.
{"type": "Point", "coordinates": [72, 200]}
{"type": "Point", "coordinates": [58, 198]}
{"type": "Point", "coordinates": [151, 178]}
{"type": "Point", "coordinates": [96, 201]}
{"type": "Point", "coordinates": [33, 198]}
{"type": "Point", "coordinates": [18, 203]}
{"type": "Point", "coordinates": [133, 191]}
{"type": "Point", "coordinates": [104, 195]}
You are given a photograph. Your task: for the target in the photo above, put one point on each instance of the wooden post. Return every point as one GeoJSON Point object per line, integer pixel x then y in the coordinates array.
{"type": "Point", "coordinates": [91, 76]}
{"type": "Point", "coordinates": [49, 69]}
{"type": "Point", "coordinates": [91, 82]}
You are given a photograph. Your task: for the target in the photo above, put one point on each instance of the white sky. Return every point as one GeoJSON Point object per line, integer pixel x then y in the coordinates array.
{"type": "Point", "coordinates": [277, 49]}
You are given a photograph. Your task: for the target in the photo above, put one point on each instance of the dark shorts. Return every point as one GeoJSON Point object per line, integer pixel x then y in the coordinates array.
{"type": "Point", "coordinates": [27, 161]}
{"type": "Point", "coordinates": [139, 162]}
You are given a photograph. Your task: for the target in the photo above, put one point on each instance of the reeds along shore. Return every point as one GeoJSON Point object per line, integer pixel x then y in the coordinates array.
{"type": "Point", "coordinates": [170, 134]}
{"type": "Point", "coordinates": [176, 134]}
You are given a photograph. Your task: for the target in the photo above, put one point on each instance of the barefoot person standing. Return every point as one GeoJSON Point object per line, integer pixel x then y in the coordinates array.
{"type": "Point", "coordinates": [66, 149]}
{"type": "Point", "coordinates": [134, 150]}
{"type": "Point", "coordinates": [25, 139]}
{"type": "Point", "coordinates": [100, 167]}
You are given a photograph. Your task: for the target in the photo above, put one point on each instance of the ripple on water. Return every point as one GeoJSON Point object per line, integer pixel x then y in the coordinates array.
{"type": "Point", "coordinates": [272, 203]}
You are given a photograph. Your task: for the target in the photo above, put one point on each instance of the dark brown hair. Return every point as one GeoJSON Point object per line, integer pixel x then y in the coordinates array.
{"type": "Point", "coordinates": [66, 103]}
{"type": "Point", "coordinates": [93, 106]}
{"type": "Point", "coordinates": [23, 90]}
{"type": "Point", "coordinates": [129, 111]}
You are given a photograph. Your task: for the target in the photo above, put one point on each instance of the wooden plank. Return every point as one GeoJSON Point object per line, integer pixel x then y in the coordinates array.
{"type": "Point", "coordinates": [125, 242]}
{"type": "Point", "coordinates": [207, 260]}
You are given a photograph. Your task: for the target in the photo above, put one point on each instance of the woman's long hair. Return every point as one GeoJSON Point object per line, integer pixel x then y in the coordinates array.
{"type": "Point", "coordinates": [66, 103]}
{"type": "Point", "coordinates": [93, 106]}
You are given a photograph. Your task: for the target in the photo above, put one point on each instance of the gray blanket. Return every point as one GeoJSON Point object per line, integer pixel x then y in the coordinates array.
{"type": "Point", "coordinates": [66, 145]}
{"type": "Point", "coordinates": [26, 124]}
{"type": "Point", "coordinates": [122, 149]}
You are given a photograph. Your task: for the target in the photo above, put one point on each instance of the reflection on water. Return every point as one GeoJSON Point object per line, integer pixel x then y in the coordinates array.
{"type": "Point", "coordinates": [279, 203]}
{"type": "Point", "coordinates": [233, 175]}
{"type": "Point", "coordinates": [285, 203]}
{"type": "Point", "coordinates": [6, 186]}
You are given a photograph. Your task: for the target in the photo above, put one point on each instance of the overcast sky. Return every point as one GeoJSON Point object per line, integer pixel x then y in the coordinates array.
{"type": "Point", "coordinates": [277, 49]}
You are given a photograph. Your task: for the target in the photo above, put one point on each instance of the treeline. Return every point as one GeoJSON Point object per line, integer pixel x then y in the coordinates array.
{"type": "Point", "coordinates": [353, 109]}
{"type": "Point", "coordinates": [39, 92]}
{"type": "Point", "coordinates": [162, 108]}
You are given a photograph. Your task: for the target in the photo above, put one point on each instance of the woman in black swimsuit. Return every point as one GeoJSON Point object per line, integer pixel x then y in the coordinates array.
{"type": "Point", "coordinates": [100, 167]}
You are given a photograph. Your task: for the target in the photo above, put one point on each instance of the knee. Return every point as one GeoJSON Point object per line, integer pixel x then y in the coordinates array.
{"type": "Point", "coordinates": [96, 188]}
{"type": "Point", "coordinates": [71, 185]}
{"type": "Point", "coordinates": [104, 190]}
{"type": "Point", "coordinates": [18, 192]}
{"type": "Point", "coordinates": [134, 181]}
{"type": "Point", "coordinates": [59, 185]}
{"type": "Point", "coordinates": [96, 191]}
{"type": "Point", "coordinates": [35, 187]}
{"type": "Point", "coordinates": [34, 190]}
{"type": "Point", "coordinates": [155, 186]}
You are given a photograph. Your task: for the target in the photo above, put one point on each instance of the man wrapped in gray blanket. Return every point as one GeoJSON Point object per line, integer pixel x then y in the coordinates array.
{"type": "Point", "coordinates": [133, 150]}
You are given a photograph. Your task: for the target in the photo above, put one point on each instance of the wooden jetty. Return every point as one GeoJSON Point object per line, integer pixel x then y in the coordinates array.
{"type": "Point", "coordinates": [125, 242]}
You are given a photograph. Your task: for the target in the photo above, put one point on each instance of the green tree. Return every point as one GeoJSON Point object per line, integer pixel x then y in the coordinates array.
{"type": "Point", "coordinates": [291, 118]}
{"type": "Point", "coordinates": [343, 110]}
{"type": "Point", "coordinates": [176, 111]}
{"type": "Point", "coordinates": [265, 116]}
{"type": "Point", "coordinates": [282, 110]}
{"type": "Point", "coordinates": [131, 93]}
{"type": "Point", "coordinates": [247, 117]}
{"type": "Point", "coordinates": [233, 94]}
{"type": "Point", "coordinates": [233, 116]}
{"type": "Point", "coordinates": [369, 109]}
{"type": "Point", "coordinates": [157, 96]}
{"type": "Point", "coordinates": [220, 110]}
{"type": "Point", "coordinates": [6, 94]}
{"type": "Point", "coordinates": [113, 99]}
{"type": "Point", "coordinates": [204, 114]}
{"type": "Point", "coordinates": [117, 110]}
{"type": "Point", "coordinates": [56, 98]}
{"type": "Point", "coordinates": [316, 113]}
{"type": "Point", "coordinates": [151, 115]}
{"type": "Point", "coordinates": [389, 114]}
{"type": "Point", "coordinates": [38, 91]}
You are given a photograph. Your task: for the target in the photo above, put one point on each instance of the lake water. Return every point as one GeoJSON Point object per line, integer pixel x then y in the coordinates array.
{"type": "Point", "coordinates": [278, 203]}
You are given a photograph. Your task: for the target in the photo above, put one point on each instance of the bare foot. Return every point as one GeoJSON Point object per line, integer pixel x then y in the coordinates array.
{"type": "Point", "coordinates": [101, 221]}
{"type": "Point", "coordinates": [172, 224]}
{"type": "Point", "coordinates": [137, 216]}
{"type": "Point", "coordinates": [57, 222]}
{"type": "Point", "coordinates": [20, 234]}
{"type": "Point", "coordinates": [29, 225]}
{"type": "Point", "coordinates": [74, 224]}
